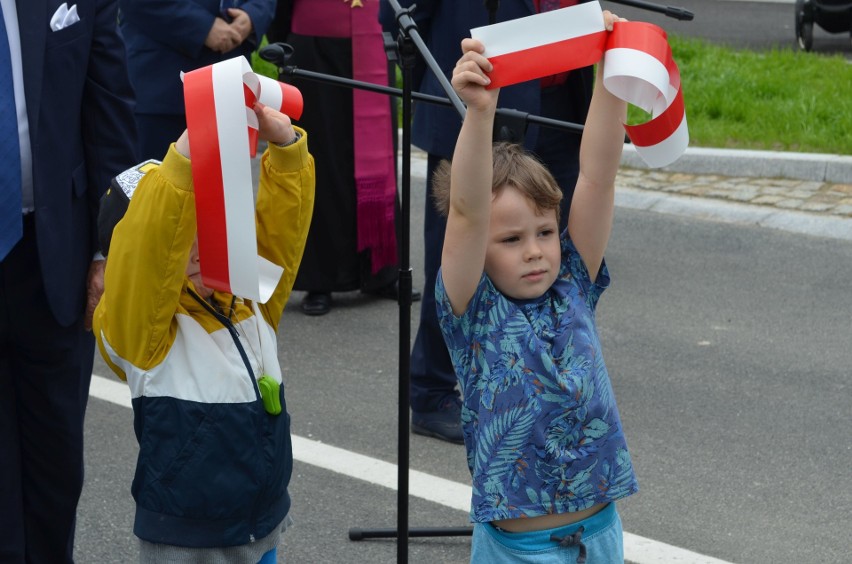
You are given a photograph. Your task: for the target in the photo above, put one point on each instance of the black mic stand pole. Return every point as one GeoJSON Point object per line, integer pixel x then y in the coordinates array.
{"type": "Point", "coordinates": [279, 54]}
{"type": "Point", "coordinates": [270, 53]}
{"type": "Point", "coordinates": [670, 11]}
{"type": "Point", "coordinates": [408, 39]}
{"type": "Point", "coordinates": [408, 43]}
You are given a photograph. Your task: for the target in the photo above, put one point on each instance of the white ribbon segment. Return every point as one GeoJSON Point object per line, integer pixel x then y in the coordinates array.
{"type": "Point", "coordinates": [250, 275]}
{"type": "Point", "coordinates": [232, 125]}
{"type": "Point", "coordinates": [638, 67]}
{"type": "Point", "coordinates": [271, 93]}
{"type": "Point", "coordinates": [639, 79]}
{"type": "Point", "coordinates": [667, 151]}
{"type": "Point", "coordinates": [540, 30]}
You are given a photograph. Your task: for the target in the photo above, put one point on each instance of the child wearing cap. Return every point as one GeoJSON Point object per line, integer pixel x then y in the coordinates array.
{"type": "Point", "coordinates": [210, 416]}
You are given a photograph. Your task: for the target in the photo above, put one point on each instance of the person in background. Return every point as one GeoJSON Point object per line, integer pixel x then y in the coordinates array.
{"type": "Point", "coordinates": [209, 409]}
{"type": "Point", "coordinates": [435, 403]}
{"type": "Point", "coordinates": [352, 244]}
{"type": "Point", "coordinates": [66, 128]}
{"type": "Point", "coordinates": [516, 303]}
{"type": "Point", "coordinates": [167, 37]}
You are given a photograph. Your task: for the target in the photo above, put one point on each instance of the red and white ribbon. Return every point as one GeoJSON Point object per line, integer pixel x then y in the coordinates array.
{"type": "Point", "coordinates": [639, 67]}
{"type": "Point", "coordinates": [222, 140]}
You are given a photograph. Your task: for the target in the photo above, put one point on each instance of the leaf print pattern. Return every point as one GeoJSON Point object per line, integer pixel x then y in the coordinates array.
{"type": "Point", "coordinates": [541, 426]}
{"type": "Point", "coordinates": [506, 436]}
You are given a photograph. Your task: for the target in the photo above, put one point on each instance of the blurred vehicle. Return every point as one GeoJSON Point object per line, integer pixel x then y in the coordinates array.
{"type": "Point", "coordinates": [834, 16]}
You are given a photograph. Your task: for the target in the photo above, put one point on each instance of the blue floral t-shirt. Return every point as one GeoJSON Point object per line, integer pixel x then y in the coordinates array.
{"type": "Point", "coordinates": [540, 423]}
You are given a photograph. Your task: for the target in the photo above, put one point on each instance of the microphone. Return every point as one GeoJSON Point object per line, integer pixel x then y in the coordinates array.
{"type": "Point", "coordinates": [277, 53]}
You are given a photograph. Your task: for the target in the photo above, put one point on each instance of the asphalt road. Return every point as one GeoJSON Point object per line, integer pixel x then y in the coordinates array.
{"type": "Point", "coordinates": [729, 351]}
{"type": "Point", "coordinates": [729, 348]}
{"type": "Point", "coordinates": [738, 23]}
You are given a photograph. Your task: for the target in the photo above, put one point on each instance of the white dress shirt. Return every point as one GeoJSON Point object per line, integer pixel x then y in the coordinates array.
{"type": "Point", "coordinates": [10, 17]}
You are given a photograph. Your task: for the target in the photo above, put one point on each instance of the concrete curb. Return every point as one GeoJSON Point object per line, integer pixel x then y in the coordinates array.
{"type": "Point", "coordinates": [820, 167]}
{"type": "Point", "coordinates": [730, 163]}
{"type": "Point", "coordinates": [790, 221]}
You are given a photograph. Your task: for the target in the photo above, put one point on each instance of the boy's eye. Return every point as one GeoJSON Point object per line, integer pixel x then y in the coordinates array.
{"type": "Point", "coordinates": [547, 233]}
{"type": "Point", "coordinates": [512, 239]}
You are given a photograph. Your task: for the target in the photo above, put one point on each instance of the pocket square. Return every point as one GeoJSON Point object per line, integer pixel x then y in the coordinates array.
{"type": "Point", "coordinates": [64, 16]}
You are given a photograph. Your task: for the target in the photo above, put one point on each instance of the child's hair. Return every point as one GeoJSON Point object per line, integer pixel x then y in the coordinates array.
{"type": "Point", "coordinates": [513, 166]}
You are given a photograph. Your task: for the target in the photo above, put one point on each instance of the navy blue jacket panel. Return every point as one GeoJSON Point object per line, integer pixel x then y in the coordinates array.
{"type": "Point", "coordinates": [166, 37]}
{"type": "Point", "coordinates": [82, 133]}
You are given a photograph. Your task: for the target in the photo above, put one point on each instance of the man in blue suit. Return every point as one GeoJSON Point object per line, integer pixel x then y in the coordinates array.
{"type": "Point", "coordinates": [169, 36]}
{"type": "Point", "coordinates": [442, 24]}
{"type": "Point", "coordinates": [66, 127]}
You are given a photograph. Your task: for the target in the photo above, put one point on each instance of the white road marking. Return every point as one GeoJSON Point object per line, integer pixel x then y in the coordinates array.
{"type": "Point", "coordinates": [638, 550]}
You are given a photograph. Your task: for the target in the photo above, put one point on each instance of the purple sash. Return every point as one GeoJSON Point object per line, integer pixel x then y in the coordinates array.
{"type": "Point", "coordinates": [375, 181]}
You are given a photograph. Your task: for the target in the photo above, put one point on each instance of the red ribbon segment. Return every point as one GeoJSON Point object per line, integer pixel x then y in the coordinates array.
{"type": "Point", "coordinates": [219, 103]}
{"type": "Point", "coordinates": [639, 67]}
{"type": "Point", "coordinates": [209, 201]}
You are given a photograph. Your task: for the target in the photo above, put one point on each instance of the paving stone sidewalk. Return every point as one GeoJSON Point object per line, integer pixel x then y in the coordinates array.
{"type": "Point", "coordinates": [820, 198]}
{"type": "Point", "coordinates": [825, 198]}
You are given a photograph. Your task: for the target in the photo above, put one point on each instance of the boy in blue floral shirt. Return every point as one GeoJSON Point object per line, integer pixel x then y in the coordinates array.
{"type": "Point", "coordinates": [516, 302]}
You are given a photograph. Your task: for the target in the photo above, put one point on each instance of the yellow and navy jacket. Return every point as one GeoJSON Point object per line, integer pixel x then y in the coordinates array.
{"type": "Point", "coordinates": [213, 465]}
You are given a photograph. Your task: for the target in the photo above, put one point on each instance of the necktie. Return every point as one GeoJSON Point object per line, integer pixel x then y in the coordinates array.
{"type": "Point", "coordinates": [547, 5]}
{"type": "Point", "coordinates": [11, 225]}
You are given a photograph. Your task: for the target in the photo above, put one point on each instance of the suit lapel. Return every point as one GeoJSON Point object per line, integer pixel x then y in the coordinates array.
{"type": "Point", "coordinates": [33, 29]}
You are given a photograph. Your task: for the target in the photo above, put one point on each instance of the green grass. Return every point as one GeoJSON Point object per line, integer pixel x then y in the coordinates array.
{"type": "Point", "coordinates": [776, 100]}
{"type": "Point", "coordinates": [263, 67]}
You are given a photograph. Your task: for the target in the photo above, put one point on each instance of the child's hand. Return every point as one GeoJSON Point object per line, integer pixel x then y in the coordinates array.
{"type": "Point", "coordinates": [273, 126]}
{"type": "Point", "coordinates": [469, 78]}
{"type": "Point", "coordinates": [610, 18]}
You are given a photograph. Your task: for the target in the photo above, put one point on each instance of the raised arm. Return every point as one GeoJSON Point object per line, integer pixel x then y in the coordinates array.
{"type": "Point", "coordinates": [146, 268]}
{"type": "Point", "coordinates": [466, 238]}
{"type": "Point", "coordinates": [590, 221]}
{"type": "Point", "coordinates": [285, 204]}
{"type": "Point", "coordinates": [285, 200]}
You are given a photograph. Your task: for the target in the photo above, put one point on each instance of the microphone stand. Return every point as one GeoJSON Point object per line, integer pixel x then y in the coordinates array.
{"type": "Point", "coordinates": [405, 51]}
{"type": "Point", "coordinates": [278, 52]}
{"type": "Point", "coordinates": [670, 11]}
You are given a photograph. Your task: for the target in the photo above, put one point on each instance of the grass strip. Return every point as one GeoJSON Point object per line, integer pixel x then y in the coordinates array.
{"type": "Point", "coordinates": [779, 100]}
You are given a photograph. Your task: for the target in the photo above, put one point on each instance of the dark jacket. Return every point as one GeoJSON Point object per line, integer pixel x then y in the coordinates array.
{"type": "Point", "coordinates": [166, 37]}
{"type": "Point", "coordinates": [82, 133]}
{"type": "Point", "coordinates": [443, 25]}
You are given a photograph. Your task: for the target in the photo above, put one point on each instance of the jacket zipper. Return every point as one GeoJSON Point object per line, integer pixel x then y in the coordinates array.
{"type": "Point", "coordinates": [234, 335]}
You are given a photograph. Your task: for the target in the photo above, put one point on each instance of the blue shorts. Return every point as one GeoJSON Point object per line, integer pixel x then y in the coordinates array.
{"type": "Point", "coordinates": [602, 537]}
{"type": "Point", "coordinates": [270, 557]}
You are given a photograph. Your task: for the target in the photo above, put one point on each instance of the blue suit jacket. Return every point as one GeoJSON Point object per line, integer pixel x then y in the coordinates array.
{"type": "Point", "coordinates": [165, 37]}
{"type": "Point", "coordinates": [442, 25]}
{"type": "Point", "coordinates": [80, 111]}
